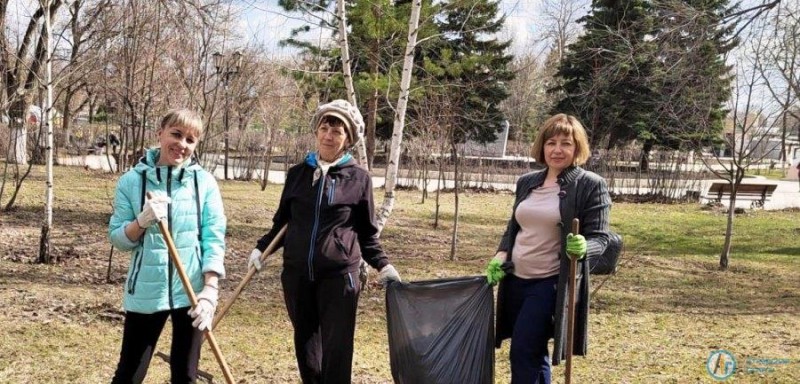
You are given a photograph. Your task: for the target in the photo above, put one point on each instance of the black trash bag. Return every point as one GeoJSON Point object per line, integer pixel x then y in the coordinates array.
{"type": "Point", "coordinates": [441, 331]}
{"type": "Point", "coordinates": [606, 264]}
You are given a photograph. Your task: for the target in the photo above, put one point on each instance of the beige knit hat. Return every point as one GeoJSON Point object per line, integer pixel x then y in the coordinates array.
{"type": "Point", "coordinates": [344, 111]}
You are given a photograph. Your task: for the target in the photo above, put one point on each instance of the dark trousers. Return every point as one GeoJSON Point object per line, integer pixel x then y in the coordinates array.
{"type": "Point", "coordinates": [139, 338]}
{"type": "Point", "coordinates": [323, 314]}
{"type": "Point", "coordinates": [530, 307]}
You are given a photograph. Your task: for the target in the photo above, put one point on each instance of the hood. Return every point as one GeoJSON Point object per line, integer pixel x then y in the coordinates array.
{"type": "Point", "coordinates": [157, 173]}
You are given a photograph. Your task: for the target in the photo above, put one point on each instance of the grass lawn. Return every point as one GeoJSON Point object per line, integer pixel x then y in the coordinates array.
{"type": "Point", "coordinates": [655, 321]}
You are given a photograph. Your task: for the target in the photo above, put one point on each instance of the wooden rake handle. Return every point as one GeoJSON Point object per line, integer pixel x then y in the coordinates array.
{"type": "Point", "coordinates": [187, 286]}
{"type": "Point", "coordinates": [250, 273]}
{"type": "Point", "coordinates": [573, 271]}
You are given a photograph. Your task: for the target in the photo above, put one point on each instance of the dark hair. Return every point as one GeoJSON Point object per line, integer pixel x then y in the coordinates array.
{"type": "Point", "coordinates": [333, 121]}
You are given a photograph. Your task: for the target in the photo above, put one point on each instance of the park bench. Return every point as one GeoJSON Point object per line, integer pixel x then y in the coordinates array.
{"type": "Point", "coordinates": [757, 193]}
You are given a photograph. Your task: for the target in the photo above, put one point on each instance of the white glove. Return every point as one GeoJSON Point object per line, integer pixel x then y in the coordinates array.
{"type": "Point", "coordinates": [203, 312]}
{"type": "Point", "coordinates": [388, 274]}
{"type": "Point", "coordinates": [154, 210]}
{"type": "Point", "coordinates": [254, 261]}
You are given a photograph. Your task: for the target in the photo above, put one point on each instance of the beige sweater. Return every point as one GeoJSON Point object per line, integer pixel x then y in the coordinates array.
{"type": "Point", "coordinates": [537, 244]}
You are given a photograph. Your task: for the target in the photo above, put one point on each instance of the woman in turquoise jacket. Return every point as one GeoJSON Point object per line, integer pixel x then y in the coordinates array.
{"type": "Point", "coordinates": [188, 199]}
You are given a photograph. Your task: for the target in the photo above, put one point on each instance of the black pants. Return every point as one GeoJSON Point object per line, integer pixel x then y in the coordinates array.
{"type": "Point", "coordinates": [323, 314]}
{"type": "Point", "coordinates": [139, 339]}
{"type": "Point", "coordinates": [531, 304]}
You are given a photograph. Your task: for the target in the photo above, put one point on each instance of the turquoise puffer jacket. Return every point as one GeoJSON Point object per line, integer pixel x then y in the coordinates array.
{"type": "Point", "coordinates": [153, 283]}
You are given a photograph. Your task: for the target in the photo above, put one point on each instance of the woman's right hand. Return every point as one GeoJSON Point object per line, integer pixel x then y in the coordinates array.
{"type": "Point", "coordinates": [153, 211]}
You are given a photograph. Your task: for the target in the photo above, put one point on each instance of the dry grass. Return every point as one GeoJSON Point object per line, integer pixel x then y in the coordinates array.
{"type": "Point", "coordinates": [654, 322]}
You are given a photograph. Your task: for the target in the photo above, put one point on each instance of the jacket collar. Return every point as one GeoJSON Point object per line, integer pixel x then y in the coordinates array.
{"type": "Point", "coordinates": [345, 161]}
{"type": "Point", "coordinates": [567, 176]}
{"type": "Point", "coordinates": [158, 173]}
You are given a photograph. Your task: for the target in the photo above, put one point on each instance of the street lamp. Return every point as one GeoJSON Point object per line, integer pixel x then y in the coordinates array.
{"type": "Point", "coordinates": [227, 67]}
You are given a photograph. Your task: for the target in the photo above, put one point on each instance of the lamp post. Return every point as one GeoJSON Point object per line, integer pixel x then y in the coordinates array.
{"type": "Point", "coordinates": [227, 67]}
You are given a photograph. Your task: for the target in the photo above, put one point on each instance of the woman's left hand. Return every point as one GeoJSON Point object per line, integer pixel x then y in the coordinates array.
{"type": "Point", "coordinates": [203, 312]}
{"type": "Point", "coordinates": [576, 246]}
{"type": "Point", "coordinates": [388, 274]}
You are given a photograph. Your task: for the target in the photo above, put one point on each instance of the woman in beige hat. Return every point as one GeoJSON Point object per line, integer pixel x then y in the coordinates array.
{"type": "Point", "coordinates": [327, 204]}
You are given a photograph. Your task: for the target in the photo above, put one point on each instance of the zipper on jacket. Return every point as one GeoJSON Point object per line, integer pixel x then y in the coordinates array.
{"type": "Point", "coordinates": [314, 230]}
{"type": "Point", "coordinates": [199, 257]}
{"type": "Point", "coordinates": [170, 266]}
{"type": "Point", "coordinates": [350, 280]}
{"type": "Point", "coordinates": [137, 267]}
{"type": "Point", "coordinates": [331, 191]}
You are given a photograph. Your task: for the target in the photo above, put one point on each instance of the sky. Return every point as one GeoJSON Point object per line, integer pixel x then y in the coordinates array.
{"type": "Point", "coordinates": [267, 23]}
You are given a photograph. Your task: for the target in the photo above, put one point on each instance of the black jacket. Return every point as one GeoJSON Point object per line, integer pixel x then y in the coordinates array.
{"type": "Point", "coordinates": [583, 195]}
{"type": "Point", "coordinates": [331, 224]}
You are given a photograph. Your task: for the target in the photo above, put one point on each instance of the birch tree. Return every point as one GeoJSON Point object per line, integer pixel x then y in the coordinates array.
{"type": "Point", "coordinates": [399, 117]}
{"type": "Point", "coordinates": [44, 240]}
{"type": "Point", "coordinates": [347, 72]}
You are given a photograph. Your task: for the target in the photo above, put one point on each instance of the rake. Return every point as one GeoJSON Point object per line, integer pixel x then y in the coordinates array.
{"type": "Point", "coordinates": [187, 286]}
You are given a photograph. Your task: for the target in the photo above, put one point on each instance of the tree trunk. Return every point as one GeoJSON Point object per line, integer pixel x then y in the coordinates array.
{"type": "Point", "coordinates": [644, 160]}
{"type": "Point", "coordinates": [66, 125]}
{"type": "Point", "coordinates": [393, 161]}
{"type": "Point", "coordinates": [372, 119]}
{"type": "Point", "coordinates": [726, 248]}
{"type": "Point", "coordinates": [425, 177]}
{"type": "Point", "coordinates": [454, 238]}
{"type": "Point", "coordinates": [439, 186]}
{"type": "Point", "coordinates": [47, 118]}
{"type": "Point", "coordinates": [18, 153]}
{"type": "Point", "coordinates": [348, 76]}
{"type": "Point", "coordinates": [268, 159]}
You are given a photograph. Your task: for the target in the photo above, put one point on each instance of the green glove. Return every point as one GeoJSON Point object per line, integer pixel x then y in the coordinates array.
{"type": "Point", "coordinates": [493, 272]}
{"type": "Point", "coordinates": [576, 246]}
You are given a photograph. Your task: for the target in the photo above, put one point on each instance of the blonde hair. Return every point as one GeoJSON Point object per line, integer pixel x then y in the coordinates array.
{"type": "Point", "coordinates": [183, 117]}
{"type": "Point", "coordinates": [562, 124]}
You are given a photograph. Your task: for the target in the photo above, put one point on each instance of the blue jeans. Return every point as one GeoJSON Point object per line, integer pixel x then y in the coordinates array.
{"type": "Point", "coordinates": [531, 306]}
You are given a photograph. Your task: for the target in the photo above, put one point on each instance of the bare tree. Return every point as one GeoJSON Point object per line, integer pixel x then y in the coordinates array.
{"type": "Point", "coordinates": [751, 123]}
{"type": "Point", "coordinates": [86, 36]}
{"type": "Point", "coordinates": [21, 66]}
{"type": "Point", "coordinates": [559, 24]}
{"type": "Point", "coordinates": [780, 68]}
{"type": "Point", "coordinates": [528, 103]}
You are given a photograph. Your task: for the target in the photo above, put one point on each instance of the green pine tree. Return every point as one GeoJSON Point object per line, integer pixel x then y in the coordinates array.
{"type": "Point", "coordinates": [605, 76]}
{"type": "Point", "coordinates": [472, 65]}
{"type": "Point", "coordinates": [653, 72]}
